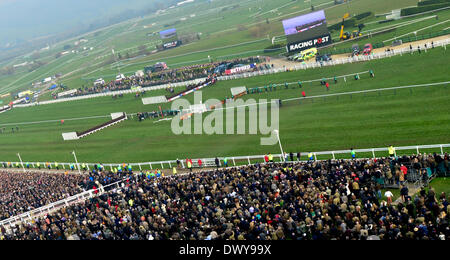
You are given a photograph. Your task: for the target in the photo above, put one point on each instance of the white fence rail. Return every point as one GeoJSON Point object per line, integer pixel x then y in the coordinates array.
{"type": "Point", "coordinates": [360, 58]}
{"type": "Point", "coordinates": [207, 162]}
{"type": "Point", "coordinates": [233, 159]}
{"type": "Point", "coordinates": [442, 43]}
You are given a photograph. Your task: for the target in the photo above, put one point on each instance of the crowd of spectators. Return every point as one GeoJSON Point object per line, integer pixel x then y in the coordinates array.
{"type": "Point", "coordinates": [170, 76]}
{"type": "Point", "coordinates": [21, 192]}
{"type": "Point", "coordinates": [315, 200]}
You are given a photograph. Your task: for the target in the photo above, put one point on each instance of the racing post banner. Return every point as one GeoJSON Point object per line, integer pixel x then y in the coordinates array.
{"type": "Point", "coordinates": [308, 44]}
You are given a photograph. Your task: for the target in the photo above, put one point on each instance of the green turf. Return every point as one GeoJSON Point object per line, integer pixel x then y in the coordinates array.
{"type": "Point", "coordinates": [217, 21]}
{"type": "Point", "coordinates": [401, 117]}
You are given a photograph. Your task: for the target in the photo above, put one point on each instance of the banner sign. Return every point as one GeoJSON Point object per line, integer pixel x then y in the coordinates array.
{"type": "Point", "coordinates": [308, 44]}
{"type": "Point", "coordinates": [240, 69]}
{"type": "Point", "coordinates": [170, 45]}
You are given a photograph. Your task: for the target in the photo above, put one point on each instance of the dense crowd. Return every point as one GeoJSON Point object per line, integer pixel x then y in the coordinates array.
{"type": "Point", "coordinates": [21, 192]}
{"type": "Point", "coordinates": [315, 200]}
{"type": "Point", "coordinates": [164, 77]}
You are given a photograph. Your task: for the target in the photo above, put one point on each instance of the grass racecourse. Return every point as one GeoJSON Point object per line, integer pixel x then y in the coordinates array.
{"type": "Point", "coordinates": [399, 117]}
{"type": "Point", "coordinates": [228, 29]}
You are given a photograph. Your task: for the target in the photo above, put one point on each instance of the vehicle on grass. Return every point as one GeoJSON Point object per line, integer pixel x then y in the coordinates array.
{"type": "Point", "coordinates": [368, 48]}
{"type": "Point", "coordinates": [355, 50]}
{"type": "Point", "coordinates": [324, 57]}
{"type": "Point", "coordinates": [397, 43]}
{"type": "Point", "coordinates": [160, 66]}
{"type": "Point", "coordinates": [305, 55]}
{"type": "Point", "coordinates": [99, 81]}
{"type": "Point", "coordinates": [120, 77]}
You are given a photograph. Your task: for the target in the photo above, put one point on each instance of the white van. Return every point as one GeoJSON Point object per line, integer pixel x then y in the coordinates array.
{"type": "Point", "coordinates": [99, 81]}
{"type": "Point", "coordinates": [120, 77]}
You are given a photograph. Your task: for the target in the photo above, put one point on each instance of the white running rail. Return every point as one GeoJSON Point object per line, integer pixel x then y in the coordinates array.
{"type": "Point", "coordinates": [232, 159]}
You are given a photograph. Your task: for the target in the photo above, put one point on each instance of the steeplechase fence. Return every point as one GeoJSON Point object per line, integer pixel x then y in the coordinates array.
{"type": "Point", "coordinates": [304, 66]}
{"type": "Point", "coordinates": [112, 93]}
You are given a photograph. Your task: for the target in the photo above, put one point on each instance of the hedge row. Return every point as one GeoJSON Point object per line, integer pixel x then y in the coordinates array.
{"type": "Point", "coordinates": [421, 9]}
{"type": "Point", "coordinates": [352, 22]}
{"type": "Point", "coordinates": [432, 2]}
{"type": "Point", "coordinates": [364, 15]}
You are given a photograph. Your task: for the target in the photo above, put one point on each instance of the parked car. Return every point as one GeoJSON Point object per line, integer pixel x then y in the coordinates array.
{"type": "Point", "coordinates": [355, 50]}
{"type": "Point", "coordinates": [306, 55]}
{"type": "Point", "coordinates": [160, 66]}
{"type": "Point", "coordinates": [397, 43]}
{"type": "Point", "coordinates": [368, 48]}
{"type": "Point", "coordinates": [99, 81]}
{"type": "Point", "coordinates": [324, 57]}
{"type": "Point", "coordinates": [120, 77]}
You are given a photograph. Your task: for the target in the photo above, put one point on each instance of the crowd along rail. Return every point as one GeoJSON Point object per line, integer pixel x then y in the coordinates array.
{"type": "Point", "coordinates": [48, 209]}
{"type": "Point", "coordinates": [234, 160]}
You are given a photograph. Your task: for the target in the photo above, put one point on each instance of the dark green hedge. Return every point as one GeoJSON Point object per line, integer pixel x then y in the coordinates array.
{"type": "Point", "coordinates": [432, 2]}
{"type": "Point", "coordinates": [347, 23]}
{"type": "Point", "coordinates": [421, 9]}
{"type": "Point", "coordinates": [364, 15]}
{"type": "Point", "coordinates": [352, 22]}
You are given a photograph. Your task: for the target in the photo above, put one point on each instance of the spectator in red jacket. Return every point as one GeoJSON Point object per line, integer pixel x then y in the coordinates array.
{"type": "Point", "coordinates": [404, 169]}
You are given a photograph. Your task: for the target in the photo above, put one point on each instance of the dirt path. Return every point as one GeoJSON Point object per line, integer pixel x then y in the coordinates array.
{"type": "Point", "coordinates": [283, 62]}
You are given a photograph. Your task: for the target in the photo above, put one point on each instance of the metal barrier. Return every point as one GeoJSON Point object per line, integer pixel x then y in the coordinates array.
{"type": "Point", "coordinates": [416, 179]}
{"type": "Point", "coordinates": [168, 164]}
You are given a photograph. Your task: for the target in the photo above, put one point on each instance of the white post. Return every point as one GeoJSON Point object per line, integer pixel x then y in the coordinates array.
{"type": "Point", "coordinates": [373, 153]}
{"type": "Point", "coordinates": [76, 161]}
{"type": "Point", "coordinates": [234, 162]}
{"type": "Point", "coordinates": [315, 156]}
{"type": "Point", "coordinates": [277, 132]}
{"type": "Point", "coordinates": [417, 150]}
{"type": "Point", "coordinates": [18, 154]}
{"type": "Point", "coordinates": [442, 150]}
{"type": "Point", "coordinates": [249, 163]}
{"type": "Point", "coordinates": [334, 158]}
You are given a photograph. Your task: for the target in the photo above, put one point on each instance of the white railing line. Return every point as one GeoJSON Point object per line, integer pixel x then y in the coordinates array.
{"type": "Point", "coordinates": [170, 162]}
{"type": "Point", "coordinates": [28, 215]}
{"type": "Point", "coordinates": [405, 50]}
